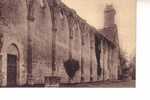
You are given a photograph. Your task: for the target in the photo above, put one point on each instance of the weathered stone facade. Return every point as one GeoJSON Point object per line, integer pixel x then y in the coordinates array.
{"type": "Point", "coordinates": [44, 34]}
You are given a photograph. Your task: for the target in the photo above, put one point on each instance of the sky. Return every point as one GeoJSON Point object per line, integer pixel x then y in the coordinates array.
{"type": "Point", "coordinates": [93, 12]}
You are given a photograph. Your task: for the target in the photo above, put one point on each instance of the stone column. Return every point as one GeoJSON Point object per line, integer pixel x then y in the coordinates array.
{"type": "Point", "coordinates": [91, 57]}
{"type": "Point", "coordinates": [82, 28]}
{"type": "Point", "coordinates": [106, 76]}
{"type": "Point", "coordinates": [102, 59]}
{"type": "Point", "coordinates": [31, 17]}
{"type": "Point", "coordinates": [54, 16]}
{"type": "Point", "coordinates": [110, 67]}
{"type": "Point", "coordinates": [76, 48]}
{"type": "Point", "coordinates": [71, 23]}
{"type": "Point", "coordinates": [54, 29]}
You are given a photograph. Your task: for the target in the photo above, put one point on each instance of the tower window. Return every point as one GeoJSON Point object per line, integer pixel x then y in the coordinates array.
{"type": "Point", "coordinates": [43, 4]}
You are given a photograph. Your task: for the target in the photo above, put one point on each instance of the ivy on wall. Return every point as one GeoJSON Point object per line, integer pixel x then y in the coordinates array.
{"type": "Point", "coordinates": [71, 67]}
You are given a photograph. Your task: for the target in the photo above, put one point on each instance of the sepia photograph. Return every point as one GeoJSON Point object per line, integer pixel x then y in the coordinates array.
{"type": "Point", "coordinates": [67, 43]}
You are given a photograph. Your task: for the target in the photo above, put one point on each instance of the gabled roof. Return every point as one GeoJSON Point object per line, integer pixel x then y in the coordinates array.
{"type": "Point", "coordinates": [110, 33]}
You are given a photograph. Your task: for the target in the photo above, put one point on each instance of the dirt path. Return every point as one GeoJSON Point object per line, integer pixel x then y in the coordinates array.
{"type": "Point", "coordinates": [108, 84]}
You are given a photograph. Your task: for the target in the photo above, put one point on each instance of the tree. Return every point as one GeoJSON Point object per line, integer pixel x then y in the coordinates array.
{"type": "Point", "coordinates": [123, 65]}
{"type": "Point", "coordinates": [133, 68]}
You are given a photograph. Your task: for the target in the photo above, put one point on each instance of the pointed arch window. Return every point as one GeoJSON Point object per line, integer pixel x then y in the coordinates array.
{"type": "Point", "coordinates": [30, 10]}
{"type": "Point", "coordinates": [43, 3]}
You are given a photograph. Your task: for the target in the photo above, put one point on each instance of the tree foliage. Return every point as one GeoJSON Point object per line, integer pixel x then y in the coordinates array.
{"type": "Point", "coordinates": [133, 68]}
{"type": "Point", "coordinates": [123, 65]}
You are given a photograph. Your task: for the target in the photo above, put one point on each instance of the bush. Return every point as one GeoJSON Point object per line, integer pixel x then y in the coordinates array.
{"type": "Point", "coordinates": [71, 67]}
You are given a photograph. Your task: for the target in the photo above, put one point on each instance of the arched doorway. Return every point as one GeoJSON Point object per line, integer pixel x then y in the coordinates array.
{"type": "Point", "coordinates": [12, 54]}
{"type": "Point", "coordinates": [12, 65]}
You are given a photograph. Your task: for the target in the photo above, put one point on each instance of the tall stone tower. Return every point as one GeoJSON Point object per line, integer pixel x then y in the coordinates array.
{"type": "Point", "coordinates": [110, 27]}
{"type": "Point", "coordinates": [109, 16]}
{"type": "Point", "coordinates": [110, 31]}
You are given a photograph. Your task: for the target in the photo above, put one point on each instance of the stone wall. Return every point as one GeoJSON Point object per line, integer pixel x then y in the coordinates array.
{"type": "Point", "coordinates": [109, 60]}
{"type": "Point", "coordinates": [50, 33]}
{"type": "Point", "coordinates": [13, 26]}
{"type": "Point", "coordinates": [60, 34]}
{"type": "Point", "coordinates": [60, 40]}
{"type": "Point", "coordinates": [40, 34]}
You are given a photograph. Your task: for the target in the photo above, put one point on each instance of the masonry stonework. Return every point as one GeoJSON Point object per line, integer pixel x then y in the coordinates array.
{"type": "Point", "coordinates": [44, 34]}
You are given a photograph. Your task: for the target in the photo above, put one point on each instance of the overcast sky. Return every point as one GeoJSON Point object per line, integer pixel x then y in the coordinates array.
{"type": "Point", "coordinates": [93, 11]}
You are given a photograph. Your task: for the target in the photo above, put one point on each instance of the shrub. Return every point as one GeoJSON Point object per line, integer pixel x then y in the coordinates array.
{"type": "Point", "coordinates": [71, 67]}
